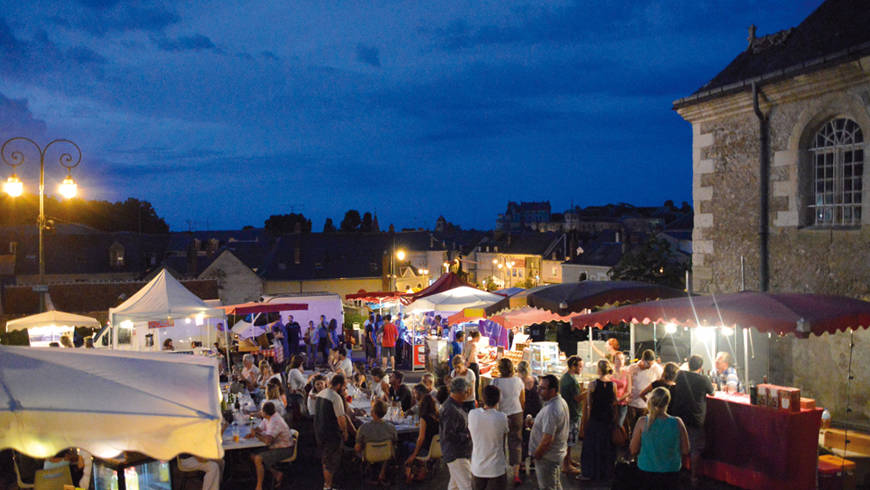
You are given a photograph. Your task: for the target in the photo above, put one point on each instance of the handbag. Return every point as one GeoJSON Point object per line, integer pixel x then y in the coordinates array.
{"type": "Point", "coordinates": [619, 436]}
{"type": "Point", "coordinates": [625, 475]}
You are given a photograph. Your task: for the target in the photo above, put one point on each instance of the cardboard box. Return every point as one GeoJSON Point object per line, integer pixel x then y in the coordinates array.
{"type": "Point", "coordinates": [780, 397]}
{"type": "Point", "coordinates": [808, 403]}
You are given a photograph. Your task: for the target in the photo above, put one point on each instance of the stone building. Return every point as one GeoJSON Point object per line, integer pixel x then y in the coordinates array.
{"type": "Point", "coordinates": [812, 84]}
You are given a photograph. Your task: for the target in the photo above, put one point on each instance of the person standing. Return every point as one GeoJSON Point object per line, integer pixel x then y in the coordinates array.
{"type": "Point", "coordinates": [598, 454]}
{"type": "Point", "coordinates": [622, 386]}
{"type": "Point", "coordinates": [660, 441]}
{"type": "Point", "coordinates": [323, 339]}
{"type": "Point", "coordinates": [488, 428]}
{"type": "Point", "coordinates": [511, 403]}
{"type": "Point", "coordinates": [369, 343]}
{"type": "Point", "coordinates": [643, 373]}
{"type": "Point", "coordinates": [532, 396]}
{"type": "Point", "coordinates": [469, 352]}
{"type": "Point", "coordinates": [460, 370]}
{"type": "Point", "coordinates": [455, 348]}
{"type": "Point", "coordinates": [548, 442]}
{"type": "Point", "coordinates": [330, 427]}
{"type": "Point", "coordinates": [379, 330]}
{"type": "Point", "coordinates": [572, 392]}
{"type": "Point", "coordinates": [310, 339]}
{"type": "Point", "coordinates": [726, 375]}
{"type": "Point", "coordinates": [400, 339]}
{"type": "Point", "coordinates": [689, 403]}
{"type": "Point", "coordinates": [294, 333]}
{"type": "Point", "coordinates": [388, 344]}
{"type": "Point", "coordinates": [455, 438]}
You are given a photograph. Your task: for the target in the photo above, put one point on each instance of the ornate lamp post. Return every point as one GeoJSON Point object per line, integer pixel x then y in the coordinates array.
{"type": "Point", "coordinates": [14, 187]}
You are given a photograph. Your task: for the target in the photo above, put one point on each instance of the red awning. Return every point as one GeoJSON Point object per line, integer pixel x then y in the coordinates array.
{"type": "Point", "coordinates": [527, 315]}
{"type": "Point", "coordinates": [781, 313]}
{"type": "Point", "coordinates": [253, 307]}
{"type": "Point", "coordinates": [444, 283]}
{"type": "Point", "coordinates": [375, 296]}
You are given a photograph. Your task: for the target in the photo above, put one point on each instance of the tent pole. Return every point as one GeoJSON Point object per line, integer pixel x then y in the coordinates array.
{"type": "Point", "coordinates": [631, 340]}
{"type": "Point", "coordinates": [227, 345]}
{"type": "Point", "coordinates": [746, 334]}
{"type": "Point", "coordinates": [589, 355]}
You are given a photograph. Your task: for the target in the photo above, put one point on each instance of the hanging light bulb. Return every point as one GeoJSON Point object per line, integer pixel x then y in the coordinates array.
{"type": "Point", "coordinates": [13, 186]}
{"type": "Point", "coordinates": [68, 187]}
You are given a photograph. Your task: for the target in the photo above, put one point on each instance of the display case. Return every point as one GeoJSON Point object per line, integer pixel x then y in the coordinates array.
{"type": "Point", "coordinates": [543, 358]}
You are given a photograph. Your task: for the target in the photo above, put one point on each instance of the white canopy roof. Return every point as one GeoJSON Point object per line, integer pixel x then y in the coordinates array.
{"type": "Point", "coordinates": [455, 299]}
{"type": "Point", "coordinates": [164, 297]}
{"type": "Point", "coordinates": [50, 318]}
{"type": "Point", "coordinates": [159, 404]}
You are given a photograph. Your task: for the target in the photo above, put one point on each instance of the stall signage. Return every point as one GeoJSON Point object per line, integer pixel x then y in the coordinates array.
{"type": "Point", "coordinates": [419, 355]}
{"type": "Point", "coordinates": [161, 323]}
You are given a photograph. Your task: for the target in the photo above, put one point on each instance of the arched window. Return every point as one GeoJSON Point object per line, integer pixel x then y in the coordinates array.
{"type": "Point", "coordinates": [838, 167]}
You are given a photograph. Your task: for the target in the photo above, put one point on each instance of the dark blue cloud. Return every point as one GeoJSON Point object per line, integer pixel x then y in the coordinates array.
{"type": "Point", "coordinates": [109, 17]}
{"type": "Point", "coordinates": [196, 42]}
{"type": "Point", "coordinates": [369, 55]}
{"type": "Point", "coordinates": [17, 120]}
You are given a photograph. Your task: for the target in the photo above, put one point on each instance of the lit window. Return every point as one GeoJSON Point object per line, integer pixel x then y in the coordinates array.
{"type": "Point", "coordinates": [838, 168]}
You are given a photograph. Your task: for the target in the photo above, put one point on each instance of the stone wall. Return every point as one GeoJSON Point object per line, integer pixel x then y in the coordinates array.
{"type": "Point", "coordinates": [802, 258]}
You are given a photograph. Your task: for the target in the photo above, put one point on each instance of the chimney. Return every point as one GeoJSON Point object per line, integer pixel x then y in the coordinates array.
{"type": "Point", "coordinates": [751, 37]}
{"type": "Point", "coordinates": [297, 252]}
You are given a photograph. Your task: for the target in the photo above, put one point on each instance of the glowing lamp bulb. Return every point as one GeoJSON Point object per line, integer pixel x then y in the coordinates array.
{"type": "Point", "coordinates": [727, 331]}
{"type": "Point", "coordinates": [13, 186]}
{"type": "Point", "coordinates": [68, 187]}
{"type": "Point", "coordinates": [670, 328]}
{"type": "Point", "coordinates": [400, 255]}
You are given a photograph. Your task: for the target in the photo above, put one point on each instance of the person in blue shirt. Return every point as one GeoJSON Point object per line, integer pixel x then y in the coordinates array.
{"type": "Point", "coordinates": [725, 375]}
{"type": "Point", "coordinates": [455, 347]}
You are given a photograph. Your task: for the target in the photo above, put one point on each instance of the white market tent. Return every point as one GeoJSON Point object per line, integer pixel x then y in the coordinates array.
{"type": "Point", "coordinates": [247, 330]}
{"type": "Point", "coordinates": [52, 318]}
{"type": "Point", "coordinates": [108, 401]}
{"type": "Point", "coordinates": [455, 299]}
{"type": "Point", "coordinates": [161, 299]}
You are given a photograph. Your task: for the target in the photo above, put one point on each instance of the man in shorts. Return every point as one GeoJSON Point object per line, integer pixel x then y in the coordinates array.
{"type": "Point", "coordinates": [330, 426]}
{"type": "Point", "coordinates": [274, 432]}
{"type": "Point", "coordinates": [388, 344]}
{"type": "Point", "coordinates": [572, 392]}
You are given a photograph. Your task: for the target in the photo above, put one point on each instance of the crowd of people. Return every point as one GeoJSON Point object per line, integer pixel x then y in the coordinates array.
{"type": "Point", "coordinates": [647, 409]}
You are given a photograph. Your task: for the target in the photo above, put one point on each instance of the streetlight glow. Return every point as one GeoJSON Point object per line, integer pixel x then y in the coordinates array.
{"type": "Point", "coordinates": [400, 254]}
{"type": "Point", "coordinates": [13, 186]}
{"type": "Point", "coordinates": [68, 187]}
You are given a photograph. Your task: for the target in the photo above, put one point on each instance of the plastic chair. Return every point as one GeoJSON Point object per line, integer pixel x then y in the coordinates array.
{"type": "Point", "coordinates": [53, 479]}
{"type": "Point", "coordinates": [434, 454]}
{"type": "Point", "coordinates": [378, 452]}
{"type": "Point", "coordinates": [21, 484]}
{"type": "Point", "coordinates": [294, 436]}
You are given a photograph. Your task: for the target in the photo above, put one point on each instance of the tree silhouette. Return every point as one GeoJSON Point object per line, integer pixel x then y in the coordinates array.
{"type": "Point", "coordinates": [129, 215]}
{"type": "Point", "coordinates": [351, 221]}
{"type": "Point", "coordinates": [652, 262]}
{"type": "Point", "coordinates": [328, 227]}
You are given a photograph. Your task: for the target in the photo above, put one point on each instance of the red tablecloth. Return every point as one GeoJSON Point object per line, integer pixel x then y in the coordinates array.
{"type": "Point", "coordinates": [757, 447]}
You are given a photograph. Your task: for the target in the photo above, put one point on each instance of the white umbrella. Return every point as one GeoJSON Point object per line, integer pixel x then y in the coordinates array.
{"type": "Point", "coordinates": [247, 330]}
{"type": "Point", "coordinates": [106, 402]}
{"type": "Point", "coordinates": [52, 318]}
{"type": "Point", "coordinates": [455, 299]}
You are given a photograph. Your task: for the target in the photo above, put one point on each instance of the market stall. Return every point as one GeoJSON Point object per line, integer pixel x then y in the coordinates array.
{"type": "Point", "coordinates": [49, 326]}
{"type": "Point", "coordinates": [777, 419]}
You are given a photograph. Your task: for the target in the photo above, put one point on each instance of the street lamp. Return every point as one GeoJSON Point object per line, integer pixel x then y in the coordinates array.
{"type": "Point", "coordinates": [400, 255]}
{"type": "Point", "coordinates": [14, 187]}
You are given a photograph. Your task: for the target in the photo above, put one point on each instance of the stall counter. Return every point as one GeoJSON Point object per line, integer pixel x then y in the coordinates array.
{"type": "Point", "coordinates": [757, 447]}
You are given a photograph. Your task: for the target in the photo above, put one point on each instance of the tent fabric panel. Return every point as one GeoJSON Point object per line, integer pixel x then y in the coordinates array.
{"type": "Point", "coordinates": [446, 282]}
{"type": "Point", "coordinates": [42, 434]}
{"type": "Point", "coordinates": [162, 294]}
{"type": "Point", "coordinates": [254, 308]}
{"type": "Point", "coordinates": [589, 294]}
{"type": "Point", "coordinates": [52, 317]}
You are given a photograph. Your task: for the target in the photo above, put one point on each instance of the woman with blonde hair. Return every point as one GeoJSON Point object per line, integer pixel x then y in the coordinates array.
{"type": "Point", "coordinates": [460, 370]}
{"type": "Point", "coordinates": [660, 441]}
{"type": "Point", "coordinates": [598, 456]}
{"type": "Point", "coordinates": [511, 403]}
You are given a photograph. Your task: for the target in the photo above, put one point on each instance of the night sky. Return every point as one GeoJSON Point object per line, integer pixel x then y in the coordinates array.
{"type": "Point", "coordinates": [221, 113]}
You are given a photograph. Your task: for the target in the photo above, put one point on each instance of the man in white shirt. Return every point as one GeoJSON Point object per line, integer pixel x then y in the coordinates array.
{"type": "Point", "coordinates": [250, 372]}
{"type": "Point", "coordinates": [344, 366]}
{"type": "Point", "coordinates": [488, 428]}
{"type": "Point", "coordinates": [643, 373]}
{"type": "Point", "coordinates": [276, 434]}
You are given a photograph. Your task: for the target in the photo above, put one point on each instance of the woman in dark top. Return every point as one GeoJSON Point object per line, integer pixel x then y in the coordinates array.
{"type": "Point", "coordinates": [599, 455]}
{"type": "Point", "coordinates": [667, 381]}
{"type": "Point", "coordinates": [428, 427]}
{"type": "Point", "coordinates": [533, 403]}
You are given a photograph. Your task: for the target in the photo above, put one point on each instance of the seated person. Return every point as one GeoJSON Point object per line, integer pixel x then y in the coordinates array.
{"type": "Point", "coordinates": [273, 395]}
{"type": "Point", "coordinates": [376, 431]}
{"type": "Point", "coordinates": [343, 364]}
{"type": "Point", "coordinates": [212, 468]}
{"type": "Point", "coordinates": [317, 385]}
{"type": "Point", "coordinates": [275, 433]}
{"type": "Point", "coordinates": [428, 428]}
{"type": "Point", "coordinates": [379, 386]}
{"type": "Point", "coordinates": [399, 394]}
